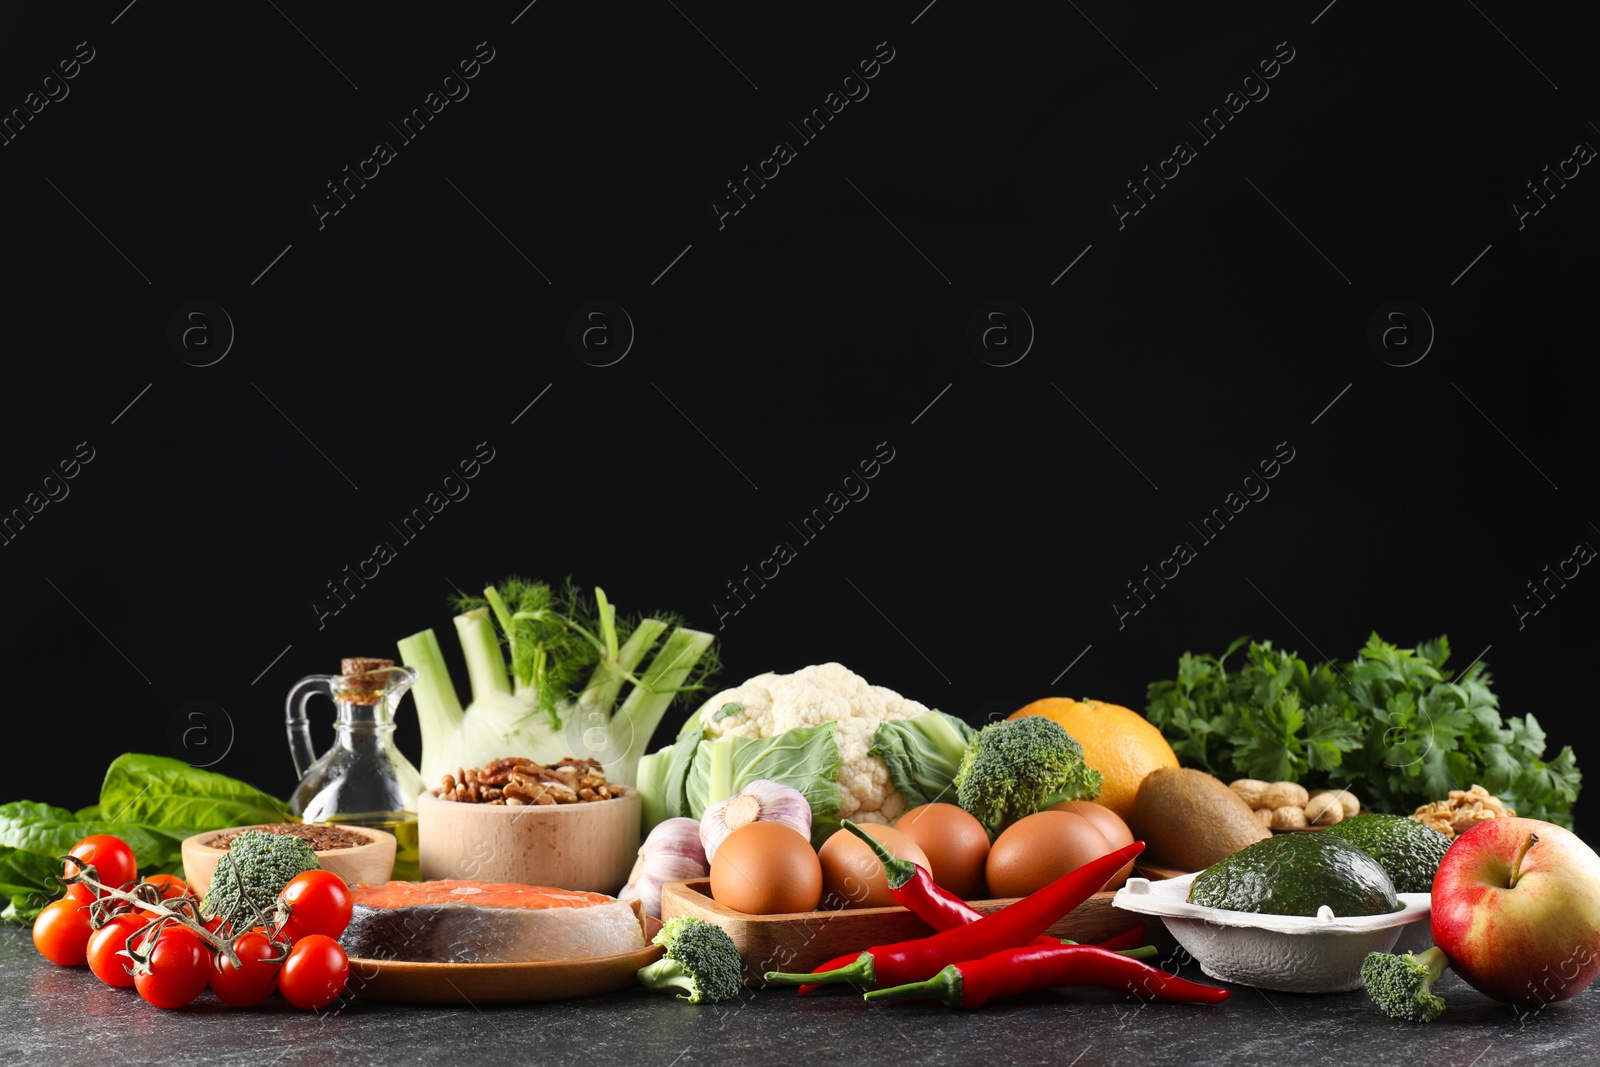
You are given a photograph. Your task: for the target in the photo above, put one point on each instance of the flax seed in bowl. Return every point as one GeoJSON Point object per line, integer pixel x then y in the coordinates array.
{"type": "Point", "coordinates": [354, 853]}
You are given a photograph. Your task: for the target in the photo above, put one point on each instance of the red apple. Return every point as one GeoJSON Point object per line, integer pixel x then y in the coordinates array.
{"type": "Point", "coordinates": [1516, 907]}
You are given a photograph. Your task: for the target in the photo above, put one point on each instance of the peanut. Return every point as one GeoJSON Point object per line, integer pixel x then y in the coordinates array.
{"type": "Point", "coordinates": [1283, 795]}
{"type": "Point", "coordinates": [1324, 809]}
{"type": "Point", "coordinates": [1249, 790]}
{"type": "Point", "coordinates": [1288, 817]}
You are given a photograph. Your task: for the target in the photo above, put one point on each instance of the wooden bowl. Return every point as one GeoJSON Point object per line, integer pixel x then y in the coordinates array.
{"type": "Point", "coordinates": [800, 941]}
{"type": "Point", "coordinates": [372, 862]}
{"type": "Point", "coordinates": [589, 846]}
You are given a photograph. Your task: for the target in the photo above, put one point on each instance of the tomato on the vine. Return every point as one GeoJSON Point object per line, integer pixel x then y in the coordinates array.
{"type": "Point", "coordinates": [256, 976]}
{"type": "Point", "coordinates": [61, 932]}
{"type": "Point", "coordinates": [81, 893]}
{"type": "Point", "coordinates": [319, 902]}
{"type": "Point", "coordinates": [177, 970]}
{"type": "Point", "coordinates": [105, 947]}
{"type": "Point", "coordinates": [112, 858]}
{"type": "Point", "coordinates": [170, 887]}
{"type": "Point", "coordinates": [315, 973]}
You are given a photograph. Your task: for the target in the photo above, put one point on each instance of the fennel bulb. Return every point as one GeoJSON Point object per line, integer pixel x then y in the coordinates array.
{"type": "Point", "coordinates": [542, 708]}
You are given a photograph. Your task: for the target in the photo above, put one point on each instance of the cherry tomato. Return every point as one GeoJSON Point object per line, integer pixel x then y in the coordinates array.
{"type": "Point", "coordinates": [171, 887]}
{"type": "Point", "coordinates": [320, 903]}
{"type": "Point", "coordinates": [81, 893]}
{"type": "Point", "coordinates": [61, 932]}
{"type": "Point", "coordinates": [315, 973]}
{"type": "Point", "coordinates": [106, 943]}
{"type": "Point", "coordinates": [256, 976]}
{"type": "Point", "coordinates": [112, 858]}
{"type": "Point", "coordinates": [179, 969]}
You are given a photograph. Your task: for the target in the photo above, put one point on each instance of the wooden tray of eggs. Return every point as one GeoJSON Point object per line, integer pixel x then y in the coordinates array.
{"type": "Point", "coordinates": [770, 939]}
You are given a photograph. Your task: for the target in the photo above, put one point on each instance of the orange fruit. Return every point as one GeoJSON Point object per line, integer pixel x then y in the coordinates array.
{"type": "Point", "coordinates": [1118, 742]}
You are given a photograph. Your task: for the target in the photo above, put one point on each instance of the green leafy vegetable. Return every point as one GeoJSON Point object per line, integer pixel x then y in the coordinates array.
{"type": "Point", "coordinates": [1388, 725]}
{"type": "Point", "coordinates": [162, 792]}
{"type": "Point", "coordinates": [151, 802]}
{"type": "Point", "coordinates": [29, 880]}
{"type": "Point", "coordinates": [922, 755]}
{"type": "Point", "coordinates": [52, 831]}
{"type": "Point", "coordinates": [805, 759]}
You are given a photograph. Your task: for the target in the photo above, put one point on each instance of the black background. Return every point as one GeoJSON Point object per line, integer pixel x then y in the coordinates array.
{"type": "Point", "coordinates": [823, 319]}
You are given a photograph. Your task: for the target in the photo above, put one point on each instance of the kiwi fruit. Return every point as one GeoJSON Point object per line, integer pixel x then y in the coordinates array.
{"type": "Point", "coordinates": [1190, 820]}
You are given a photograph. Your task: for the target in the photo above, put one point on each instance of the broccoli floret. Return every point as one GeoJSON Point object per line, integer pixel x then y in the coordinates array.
{"type": "Point", "coordinates": [253, 872]}
{"type": "Point", "coordinates": [1016, 767]}
{"type": "Point", "coordinates": [701, 958]}
{"type": "Point", "coordinates": [1402, 985]}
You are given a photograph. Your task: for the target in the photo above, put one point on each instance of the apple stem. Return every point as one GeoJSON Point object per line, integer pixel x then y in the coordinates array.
{"type": "Point", "coordinates": [1516, 864]}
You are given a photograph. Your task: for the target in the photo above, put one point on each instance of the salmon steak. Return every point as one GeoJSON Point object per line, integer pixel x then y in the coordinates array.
{"type": "Point", "coordinates": [459, 921]}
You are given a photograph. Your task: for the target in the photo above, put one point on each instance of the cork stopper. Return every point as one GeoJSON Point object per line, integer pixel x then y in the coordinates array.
{"type": "Point", "coordinates": [363, 690]}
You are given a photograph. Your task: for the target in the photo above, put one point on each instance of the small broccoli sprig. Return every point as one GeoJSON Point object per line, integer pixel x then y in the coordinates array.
{"type": "Point", "coordinates": [701, 958]}
{"type": "Point", "coordinates": [1016, 767]}
{"type": "Point", "coordinates": [1402, 985]}
{"type": "Point", "coordinates": [256, 867]}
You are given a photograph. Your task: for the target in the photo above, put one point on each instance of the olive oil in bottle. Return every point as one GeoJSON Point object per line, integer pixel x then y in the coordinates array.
{"type": "Point", "coordinates": [363, 780]}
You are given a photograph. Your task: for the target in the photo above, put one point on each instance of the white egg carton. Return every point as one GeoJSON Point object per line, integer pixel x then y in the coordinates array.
{"type": "Point", "coordinates": [1289, 953]}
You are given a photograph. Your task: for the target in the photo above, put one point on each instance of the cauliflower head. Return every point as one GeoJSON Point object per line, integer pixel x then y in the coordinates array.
{"type": "Point", "coordinates": [772, 704]}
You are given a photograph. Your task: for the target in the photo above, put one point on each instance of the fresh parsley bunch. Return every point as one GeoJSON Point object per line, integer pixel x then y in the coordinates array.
{"type": "Point", "coordinates": [1387, 725]}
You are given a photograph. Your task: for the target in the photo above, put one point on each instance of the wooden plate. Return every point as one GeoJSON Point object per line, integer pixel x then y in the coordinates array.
{"type": "Point", "coordinates": [496, 983]}
{"type": "Point", "coordinates": [802, 940]}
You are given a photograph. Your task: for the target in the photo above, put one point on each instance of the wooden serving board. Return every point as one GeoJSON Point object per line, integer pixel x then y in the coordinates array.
{"type": "Point", "coordinates": [800, 941]}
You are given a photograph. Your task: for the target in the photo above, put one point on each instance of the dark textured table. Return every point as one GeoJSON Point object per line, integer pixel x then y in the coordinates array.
{"type": "Point", "coordinates": [49, 1011]}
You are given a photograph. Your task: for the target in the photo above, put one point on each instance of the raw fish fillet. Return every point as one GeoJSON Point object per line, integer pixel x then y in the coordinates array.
{"type": "Point", "coordinates": [456, 921]}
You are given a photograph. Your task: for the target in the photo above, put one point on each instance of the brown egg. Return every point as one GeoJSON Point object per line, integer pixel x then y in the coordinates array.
{"type": "Point", "coordinates": [1035, 851]}
{"type": "Point", "coordinates": [766, 868]}
{"type": "Point", "coordinates": [1110, 825]}
{"type": "Point", "coordinates": [956, 843]}
{"type": "Point", "coordinates": [852, 877]}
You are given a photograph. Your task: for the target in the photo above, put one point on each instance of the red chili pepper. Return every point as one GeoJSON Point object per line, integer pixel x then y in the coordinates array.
{"type": "Point", "coordinates": [914, 889]}
{"type": "Point", "coordinates": [1128, 939]}
{"type": "Point", "coordinates": [1015, 924]}
{"type": "Point", "coordinates": [1129, 943]}
{"type": "Point", "coordinates": [1032, 967]}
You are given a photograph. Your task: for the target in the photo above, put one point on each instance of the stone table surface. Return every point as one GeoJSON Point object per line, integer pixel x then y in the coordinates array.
{"type": "Point", "coordinates": [49, 1011]}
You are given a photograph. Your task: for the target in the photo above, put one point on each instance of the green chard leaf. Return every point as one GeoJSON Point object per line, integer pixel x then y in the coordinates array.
{"type": "Point", "coordinates": [24, 873]}
{"type": "Point", "coordinates": [52, 831]}
{"type": "Point", "coordinates": [156, 791]}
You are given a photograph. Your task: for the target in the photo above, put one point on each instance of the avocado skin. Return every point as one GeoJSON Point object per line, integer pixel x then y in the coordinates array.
{"type": "Point", "coordinates": [1408, 851]}
{"type": "Point", "coordinates": [1295, 874]}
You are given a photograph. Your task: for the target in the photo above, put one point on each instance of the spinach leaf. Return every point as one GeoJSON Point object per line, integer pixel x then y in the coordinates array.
{"type": "Point", "coordinates": [160, 792]}
{"type": "Point", "coordinates": [52, 831]}
{"type": "Point", "coordinates": [29, 879]}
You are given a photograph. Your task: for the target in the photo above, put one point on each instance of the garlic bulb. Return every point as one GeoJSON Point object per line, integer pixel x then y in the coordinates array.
{"type": "Point", "coordinates": [759, 801]}
{"type": "Point", "coordinates": [672, 853]}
